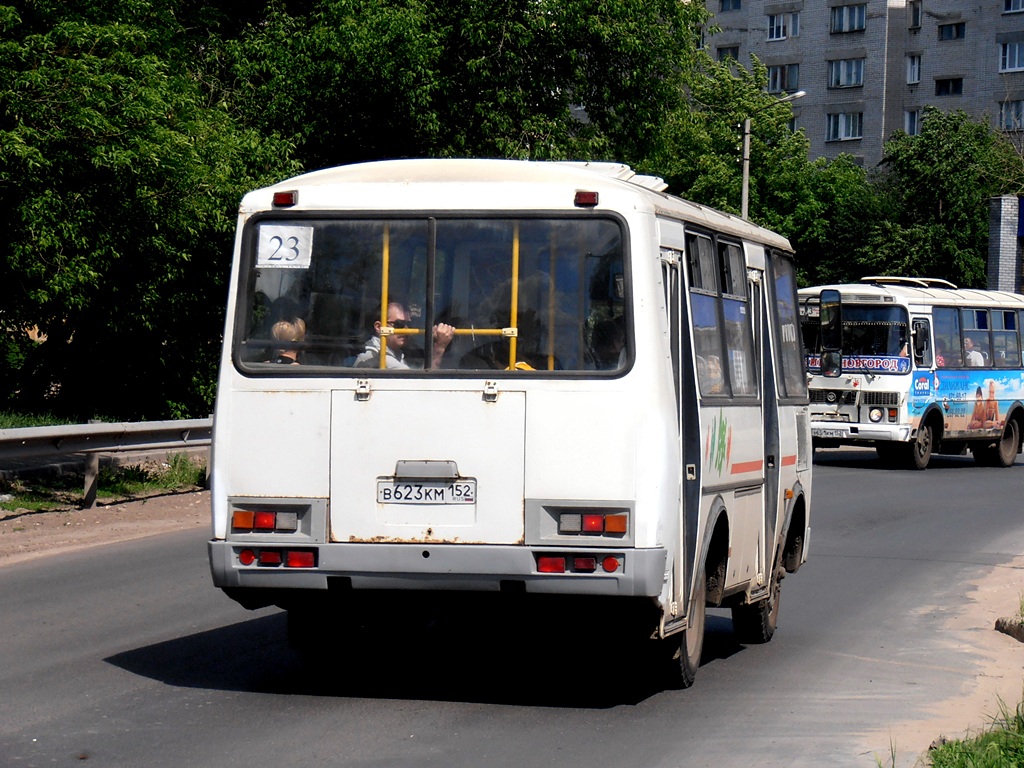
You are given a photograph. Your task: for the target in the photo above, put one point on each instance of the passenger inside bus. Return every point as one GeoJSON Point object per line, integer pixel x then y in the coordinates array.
{"type": "Point", "coordinates": [398, 318]}
{"type": "Point", "coordinates": [290, 331]}
{"type": "Point", "coordinates": [973, 356]}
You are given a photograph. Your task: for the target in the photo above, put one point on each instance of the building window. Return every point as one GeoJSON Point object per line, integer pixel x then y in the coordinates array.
{"type": "Point", "coordinates": [729, 53]}
{"type": "Point", "coordinates": [1013, 6]}
{"type": "Point", "coordinates": [845, 125]}
{"type": "Point", "coordinates": [913, 69]}
{"type": "Point", "coordinates": [845, 73]}
{"type": "Point", "coordinates": [951, 86]}
{"type": "Point", "coordinates": [1011, 57]}
{"type": "Point", "coordinates": [783, 77]}
{"type": "Point", "coordinates": [956, 31]}
{"type": "Point", "coordinates": [731, 5]}
{"type": "Point", "coordinates": [783, 25]}
{"type": "Point", "coordinates": [1011, 115]}
{"type": "Point", "coordinates": [848, 18]}
{"type": "Point", "coordinates": [912, 122]}
{"type": "Point", "coordinates": [915, 13]}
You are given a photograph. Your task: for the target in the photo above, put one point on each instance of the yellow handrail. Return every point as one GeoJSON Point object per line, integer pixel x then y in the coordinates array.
{"type": "Point", "coordinates": [514, 318]}
{"type": "Point", "coordinates": [386, 266]}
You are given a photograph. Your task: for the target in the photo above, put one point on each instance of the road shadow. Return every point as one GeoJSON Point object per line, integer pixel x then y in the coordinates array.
{"type": "Point", "coordinates": [433, 663]}
{"type": "Point", "coordinates": [867, 458]}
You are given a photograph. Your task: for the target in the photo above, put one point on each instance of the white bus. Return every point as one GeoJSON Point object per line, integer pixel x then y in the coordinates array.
{"type": "Point", "coordinates": [592, 399]}
{"type": "Point", "coordinates": [916, 367]}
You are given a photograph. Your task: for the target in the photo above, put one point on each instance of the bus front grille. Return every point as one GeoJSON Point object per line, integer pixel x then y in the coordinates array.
{"type": "Point", "coordinates": [891, 399]}
{"type": "Point", "coordinates": [834, 396]}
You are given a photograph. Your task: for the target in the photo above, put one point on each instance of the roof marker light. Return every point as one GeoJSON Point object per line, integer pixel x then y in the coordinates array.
{"type": "Point", "coordinates": [585, 198]}
{"type": "Point", "coordinates": [286, 199]}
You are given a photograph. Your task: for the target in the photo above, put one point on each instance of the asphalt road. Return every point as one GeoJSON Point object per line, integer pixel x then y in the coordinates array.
{"type": "Point", "coordinates": [125, 655]}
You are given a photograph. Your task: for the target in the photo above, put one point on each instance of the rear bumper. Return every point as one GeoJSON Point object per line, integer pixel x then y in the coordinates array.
{"type": "Point", "coordinates": [441, 567]}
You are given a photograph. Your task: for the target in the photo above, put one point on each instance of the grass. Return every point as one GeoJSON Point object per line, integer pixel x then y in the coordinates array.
{"type": "Point", "coordinates": [13, 420]}
{"type": "Point", "coordinates": [1001, 745]}
{"type": "Point", "coordinates": [180, 473]}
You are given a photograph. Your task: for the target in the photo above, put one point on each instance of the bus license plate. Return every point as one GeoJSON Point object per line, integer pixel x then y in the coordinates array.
{"type": "Point", "coordinates": [822, 432]}
{"type": "Point", "coordinates": [429, 492]}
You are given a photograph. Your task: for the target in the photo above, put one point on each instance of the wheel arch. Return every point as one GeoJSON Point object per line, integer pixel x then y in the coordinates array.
{"type": "Point", "coordinates": [714, 552]}
{"type": "Point", "coordinates": [795, 531]}
{"type": "Point", "coordinates": [934, 418]}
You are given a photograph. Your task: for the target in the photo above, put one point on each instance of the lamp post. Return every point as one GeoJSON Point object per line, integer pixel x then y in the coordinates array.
{"type": "Point", "coordinates": [744, 205]}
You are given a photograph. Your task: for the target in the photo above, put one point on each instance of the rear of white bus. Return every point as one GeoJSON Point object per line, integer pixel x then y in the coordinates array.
{"type": "Point", "coordinates": [524, 461]}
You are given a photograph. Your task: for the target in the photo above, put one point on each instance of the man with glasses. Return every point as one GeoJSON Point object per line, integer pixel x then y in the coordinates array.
{"type": "Point", "coordinates": [398, 319]}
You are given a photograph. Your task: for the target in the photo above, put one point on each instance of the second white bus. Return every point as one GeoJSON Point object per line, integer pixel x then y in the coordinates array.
{"type": "Point", "coordinates": [919, 367]}
{"type": "Point", "coordinates": [505, 384]}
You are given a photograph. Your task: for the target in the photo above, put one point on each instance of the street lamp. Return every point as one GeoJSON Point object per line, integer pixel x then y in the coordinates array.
{"type": "Point", "coordinates": [744, 205]}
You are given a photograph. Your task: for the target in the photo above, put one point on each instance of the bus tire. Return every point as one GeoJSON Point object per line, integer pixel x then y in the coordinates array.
{"type": "Point", "coordinates": [755, 623]}
{"type": "Point", "coordinates": [688, 645]}
{"type": "Point", "coordinates": [919, 450]}
{"type": "Point", "coordinates": [1002, 453]}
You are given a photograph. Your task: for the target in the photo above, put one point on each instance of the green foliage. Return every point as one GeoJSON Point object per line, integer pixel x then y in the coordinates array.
{"type": "Point", "coordinates": [120, 181]}
{"type": "Point", "coordinates": [1001, 745]}
{"type": "Point", "coordinates": [129, 130]}
{"type": "Point", "coordinates": [180, 473]}
{"type": "Point", "coordinates": [936, 187]}
{"type": "Point", "coordinates": [13, 420]}
{"type": "Point", "coordinates": [354, 80]}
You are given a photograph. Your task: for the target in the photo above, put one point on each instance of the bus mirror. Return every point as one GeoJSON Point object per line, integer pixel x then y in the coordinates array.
{"type": "Point", "coordinates": [922, 339]}
{"type": "Point", "coordinates": [831, 364]}
{"type": "Point", "coordinates": [831, 320]}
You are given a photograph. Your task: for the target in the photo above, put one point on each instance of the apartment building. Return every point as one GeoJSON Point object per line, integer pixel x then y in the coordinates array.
{"type": "Point", "coordinates": [869, 68]}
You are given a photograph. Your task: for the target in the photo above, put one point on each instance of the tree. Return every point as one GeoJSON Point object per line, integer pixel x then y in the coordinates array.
{"type": "Point", "coordinates": [119, 180]}
{"type": "Point", "coordinates": [354, 80]}
{"type": "Point", "coordinates": [936, 186]}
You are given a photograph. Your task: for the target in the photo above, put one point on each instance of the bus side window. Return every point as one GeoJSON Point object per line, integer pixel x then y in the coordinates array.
{"type": "Point", "coordinates": [975, 327]}
{"type": "Point", "coordinates": [947, 338]}
{"type": "Point", "coordinates": [1005, 338]}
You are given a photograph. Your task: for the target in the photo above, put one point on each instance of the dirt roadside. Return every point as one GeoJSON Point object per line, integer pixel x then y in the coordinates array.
{"type": "Point", "coordinates": [994, 677]}
{"type": "Point", "coordinates": [26, 535]}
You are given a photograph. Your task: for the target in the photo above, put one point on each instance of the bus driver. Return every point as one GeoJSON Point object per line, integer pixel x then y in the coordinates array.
{"type": "Point", "coordinates": [398, 318]}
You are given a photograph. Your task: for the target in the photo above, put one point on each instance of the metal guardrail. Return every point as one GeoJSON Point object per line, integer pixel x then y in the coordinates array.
{"type": "Point", "coordinates": [34, 442]}
{"type": "Point", "coordinates": [96, 438]}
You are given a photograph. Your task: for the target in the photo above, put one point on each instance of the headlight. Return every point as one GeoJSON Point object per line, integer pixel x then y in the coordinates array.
{"type": "Point", "coordinates": [875, 414]}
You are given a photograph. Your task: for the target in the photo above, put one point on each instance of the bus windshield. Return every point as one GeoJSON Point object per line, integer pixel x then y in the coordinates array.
{"type": "Point", "coordinates": [519, 294]}
{"type": "Point", "coordinates": [875, 338]}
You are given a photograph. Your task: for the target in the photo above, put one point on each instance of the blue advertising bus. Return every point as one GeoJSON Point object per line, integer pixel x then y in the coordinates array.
{"type": "Point", "coordinates": [919, 367]}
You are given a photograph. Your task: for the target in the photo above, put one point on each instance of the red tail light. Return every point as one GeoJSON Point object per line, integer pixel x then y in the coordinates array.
{"type": "Point", "coordinates": [550, 564]}
{"type": "Point", "coordinates": [270, 557]}
{"type": "Point", "coordinates": [300, 558]}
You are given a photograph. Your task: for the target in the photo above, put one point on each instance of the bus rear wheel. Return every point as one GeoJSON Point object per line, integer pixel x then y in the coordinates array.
{"type": "Point", "coordinates": [755, 623]}
{"type": "Point", "coordinates": [688, 645]}
{"type": "Point", "coordinates": [1003, 453]}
